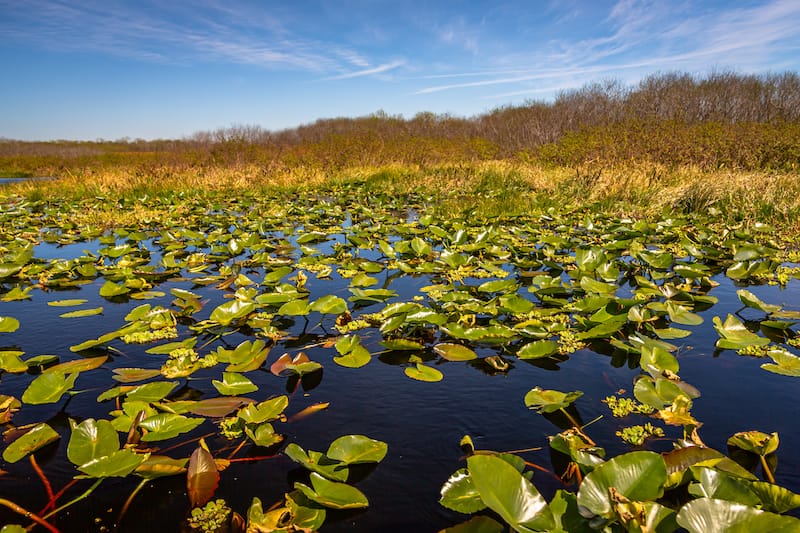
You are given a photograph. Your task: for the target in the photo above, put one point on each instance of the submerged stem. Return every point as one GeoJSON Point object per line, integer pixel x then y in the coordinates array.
{"type": "Point", "coordinates": [75, 500]}
{"type": "Point", "coordinates": [128, 502]}
{"type": "Point", "coordinates": [44, 479]}
{"type": "Point", "coordinates": [577, 427]}
{"type": "Point", "coordinates": [27, 514]}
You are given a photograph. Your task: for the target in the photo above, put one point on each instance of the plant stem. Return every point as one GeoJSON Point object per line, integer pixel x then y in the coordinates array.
{"type": "Point", "coordinates": [76, 500]}
{"type": "Point", "coordinates": [128, 502]}
{"type": "Point", "coordinates": [52, 503]}
{"type": "Point", "coordinates": [236, 450]}
{"type": "Point", "coordinates": [577, 427]}
{"type": "Point", "coordinates": [767, 471]}
{"type": "Point", "coordinates": [44, 479]}
{"type": "Point", "coordinates": [27, 514]}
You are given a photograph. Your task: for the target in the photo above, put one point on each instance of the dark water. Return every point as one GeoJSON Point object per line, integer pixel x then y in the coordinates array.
{"type": "Point", "coordinates": [421, 422]}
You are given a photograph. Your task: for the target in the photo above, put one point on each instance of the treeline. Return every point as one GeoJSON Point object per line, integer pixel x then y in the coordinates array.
{"type": "Point", "coordinates": [719, 120]}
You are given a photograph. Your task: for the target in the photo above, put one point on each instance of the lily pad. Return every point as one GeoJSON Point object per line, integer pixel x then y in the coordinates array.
{"type": "Point", "coordinates": [638, 476]}
{"type": "Point", "coordinates": [549, 401]}
{"type": "Point", "coordinates": [454, 352]}
{"type": "Point", "coordinates": [40, 436]}
{"type": "Point", "coordinates": [421, 372]}
{"type": "Point", "coordinates": [505, 491]}
{"type": "Point", "coordinates": [332, 494]}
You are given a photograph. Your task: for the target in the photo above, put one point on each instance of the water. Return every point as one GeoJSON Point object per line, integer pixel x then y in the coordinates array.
{"type": "Point", "coordinates": [4, 181]}
{"type": "Point", "coordinates": [421, 422]}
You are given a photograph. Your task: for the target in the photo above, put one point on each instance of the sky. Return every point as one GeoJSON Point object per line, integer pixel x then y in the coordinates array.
{"type": "Point", "coordinates": [112, 69]}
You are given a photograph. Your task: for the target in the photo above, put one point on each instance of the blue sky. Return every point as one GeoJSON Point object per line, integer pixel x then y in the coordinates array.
{"type": "Point", "coordinates": [156, 69]}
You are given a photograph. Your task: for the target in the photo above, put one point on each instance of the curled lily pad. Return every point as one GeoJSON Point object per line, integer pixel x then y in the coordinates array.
{"type": "Point", "coordinates": [783, 363]}
{"type": "Point", "coordinates": [317, 462]}
{"type": "Point", "coordinates": [734, 335]}
{"type": "Point", "coordinates": [549, 401]}
{"type": "Point", "coordinates": [755, 442]}
{"type": "Point", "coordinates": [460, 494]}
{"type": "Point", "coordinates": [357, 449]}
{"type": "Point", "coordinates": [332, 494]}
{"type": "Point", "coordinates": [300, 364]}
{"type": "Point", "coordinates": [265, 411]}
{"type": "Point", "coordinates": [234, 384]}
{"type": "Point", "coordinates": [751, 300]}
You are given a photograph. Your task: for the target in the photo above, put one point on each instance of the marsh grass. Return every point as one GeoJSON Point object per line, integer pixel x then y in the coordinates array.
{"type": "Point", "coordinates": [483, 188]}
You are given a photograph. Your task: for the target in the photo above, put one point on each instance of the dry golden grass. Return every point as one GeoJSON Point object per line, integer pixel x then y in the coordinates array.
{"type": "Point", "coordinates": [494, 187]}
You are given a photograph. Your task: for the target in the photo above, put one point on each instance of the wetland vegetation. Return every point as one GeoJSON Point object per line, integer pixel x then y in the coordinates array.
{"type": "Point", "coordinates": [574, 316]}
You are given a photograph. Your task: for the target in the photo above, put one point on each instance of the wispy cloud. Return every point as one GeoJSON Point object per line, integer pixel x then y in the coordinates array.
{"type": "Point", "coordinates": [640, 36]}
{"type": "Point", "coordinates": [369, 71]}
{"type": "Point", "coordinates": [205, 32]}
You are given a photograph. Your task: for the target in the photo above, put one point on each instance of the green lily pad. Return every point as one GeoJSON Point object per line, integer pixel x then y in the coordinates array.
{"type": "Point", "coordinates": [265, 411]}
{"type": "Point", "coordinates": [40, 436]}
{"type": "Point", "coordinates": [152, 392]}
{"type": "Point", "coordinates": [784, 363]}
{"type": "Point", "coordinates": [332, 494]}
{"type": "Point", "coordinates": [708, 514]}
{"type": "Point", "coordinates": [48, 388]}
{"type": "Point", "coordinates": [421, 372]}
{"type": "Point", "coordinates": [163, 426]}
{"type": "Point", "coordinates": [329, 305]}
{"type": "Point", "coordinates": [735, 336]}
{"type": "Point", "coordinates": [357, 449]}
{"type": "Point", "coordinates": [90, 440]}
{"type": "Point", "coordinates": [755, 441]}
{"type": "Point", "coordinates": [10, 361]}
{"type": "Point", "coordinates": [538, 349]}
{"type": "Point", "coordinates": [460, 494]}
{"type": "Point", "coordinates": [751, 300]}
{"type": "Point", "coordinates": [505, 491]}
{"type": "Point", "coordinates": [454, 352]}
{"type": "Point", "coordinates": [549, 401]}
{"type": "Point", "coordinates": [230, 312]}
{"type": "Point", "coordinates": [82, 313]}
{"type": "Point", "coordinates": [401, 344]}
{"type": "Point", "coordinates": [234, 384]}
{"type": "Point", "coordinates": [317, 462]}
{"type": "Point", "coordinates": [111, 289]}
{"type": "Point", "coordinates": [638, 476]}
{"type": "Point", "coordinates": [8, 324]}
{"type": "Point", "coordinates": [66, 303]}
